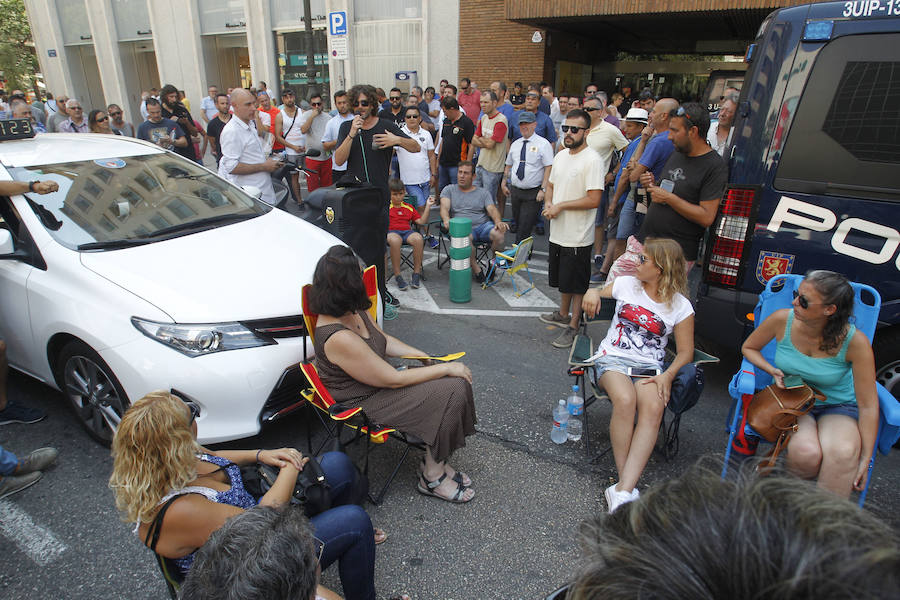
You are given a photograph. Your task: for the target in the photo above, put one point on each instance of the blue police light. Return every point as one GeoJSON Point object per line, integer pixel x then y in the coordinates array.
{"type": "Point", "coordinates": [818, 31]}
{"type": "Point", "coordinates": [751, 50]}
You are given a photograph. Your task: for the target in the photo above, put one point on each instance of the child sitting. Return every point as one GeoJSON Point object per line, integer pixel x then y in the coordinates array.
{"type": "Point", "coordinates": [401, 217]}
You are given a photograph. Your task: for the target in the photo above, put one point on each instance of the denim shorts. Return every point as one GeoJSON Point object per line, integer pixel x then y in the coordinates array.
{"type": "Point", "coordinates": [482, 233]}
{"type": "Point", "coordinates": [420, 191]}
{"type": "Point", "coordinates": [850, 410]}
{"type": "Point", "coordinates": [618, 364]}
{"type": "Point", "coordinates": [403, 234]}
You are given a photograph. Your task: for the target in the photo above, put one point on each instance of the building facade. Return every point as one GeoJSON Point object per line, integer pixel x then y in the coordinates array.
{"type": "Point", "coordinates": [109, 51]}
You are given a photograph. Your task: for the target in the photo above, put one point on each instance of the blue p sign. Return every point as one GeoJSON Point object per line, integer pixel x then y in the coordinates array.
{"type": "Point", "coordinates": [337, 23]}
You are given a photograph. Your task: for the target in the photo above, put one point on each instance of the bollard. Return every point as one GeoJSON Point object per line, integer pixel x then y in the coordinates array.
{"type": "Point", "coordinates": [460, 268]}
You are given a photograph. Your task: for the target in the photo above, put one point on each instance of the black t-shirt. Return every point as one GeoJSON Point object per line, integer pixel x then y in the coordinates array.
{"type": "Point", "coordinates": [214, 130]}
{"type": "Point", "coordinates": [365, 162]}
{"type": "Point", "coordinates": [455, 140]}
{"type": "Point", "coordinates": [696, 179]}
{"type": "Point", "coordinates": [385, 113]}
{"type": "Point", "coordinates": [180, 112]}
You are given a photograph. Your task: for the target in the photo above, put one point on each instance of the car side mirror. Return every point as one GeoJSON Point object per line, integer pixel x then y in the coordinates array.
{"type": "Point", "coordinates": [7, 247]}
{"type": "Point", "coordinates": [252, 190]}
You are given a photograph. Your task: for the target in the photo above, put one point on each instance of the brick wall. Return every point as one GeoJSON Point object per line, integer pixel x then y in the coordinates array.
{"type": "Point", "coordinates": [492, 48]}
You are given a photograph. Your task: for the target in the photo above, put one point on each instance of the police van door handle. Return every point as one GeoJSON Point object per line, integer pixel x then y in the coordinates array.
{"type": "Point", "coordinates": [745, 108]}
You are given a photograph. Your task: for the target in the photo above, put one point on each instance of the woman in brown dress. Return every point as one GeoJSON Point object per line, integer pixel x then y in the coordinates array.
{"type": "Point", "coordinates": [433, 402]}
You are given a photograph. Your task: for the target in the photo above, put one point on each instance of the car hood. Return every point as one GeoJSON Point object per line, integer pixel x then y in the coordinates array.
{"type": "Point", "coordinates": [248, 270]}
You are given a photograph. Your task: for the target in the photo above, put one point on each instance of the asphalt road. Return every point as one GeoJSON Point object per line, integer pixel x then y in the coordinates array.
{"type": "Point", "coordinates": [63, 539]}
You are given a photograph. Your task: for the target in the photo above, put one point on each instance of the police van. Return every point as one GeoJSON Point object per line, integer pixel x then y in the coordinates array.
{"type": "Point", "coordinates": [814, 168]}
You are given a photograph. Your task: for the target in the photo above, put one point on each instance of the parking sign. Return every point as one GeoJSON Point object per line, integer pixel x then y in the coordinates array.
{"type": "Point", "coordinates": [337, 23]}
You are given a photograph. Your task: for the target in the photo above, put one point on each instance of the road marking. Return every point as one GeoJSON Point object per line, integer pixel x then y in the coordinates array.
{"type": "Point", "coordinates": [38, 543]}
{"type": "Point", "coordinates": [420, 300]}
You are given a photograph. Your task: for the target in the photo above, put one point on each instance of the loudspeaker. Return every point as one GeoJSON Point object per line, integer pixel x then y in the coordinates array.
{"type": "Point", "coordinates": [357, 216]}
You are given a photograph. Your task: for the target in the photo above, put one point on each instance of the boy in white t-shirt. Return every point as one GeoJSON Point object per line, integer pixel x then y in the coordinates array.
{"type": "Point", "coordinates": [570, 206]}
{"type": "Point", "coordinates": [629, 362]}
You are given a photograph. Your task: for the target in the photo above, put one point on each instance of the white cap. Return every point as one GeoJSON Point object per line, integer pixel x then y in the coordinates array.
{"type": "Point", "coordinates": [637, 114]}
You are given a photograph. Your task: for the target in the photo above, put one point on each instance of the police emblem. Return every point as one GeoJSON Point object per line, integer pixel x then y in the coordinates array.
{"type": "Point", "coordinates": [329, 215]}
{"type": "Point", "coordinates": [771, 264]}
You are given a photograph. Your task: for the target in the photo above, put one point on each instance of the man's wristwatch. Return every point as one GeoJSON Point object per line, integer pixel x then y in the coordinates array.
{"type": "Point", "coordinates": [31, 185]}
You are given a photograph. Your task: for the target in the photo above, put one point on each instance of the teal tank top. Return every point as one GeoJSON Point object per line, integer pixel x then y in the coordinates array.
{"type": "Point", "coordinates": [831, 375]}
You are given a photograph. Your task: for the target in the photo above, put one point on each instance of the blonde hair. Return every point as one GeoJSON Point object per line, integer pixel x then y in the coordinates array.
{"type": "Point", "coordinates": [668, 256]}
{"type": "Point", "coordinates": [154, 451]}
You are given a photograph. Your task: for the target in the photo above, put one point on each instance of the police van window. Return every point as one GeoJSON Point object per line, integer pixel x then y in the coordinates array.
{"type": "Point", "coordinates": [845, 138]}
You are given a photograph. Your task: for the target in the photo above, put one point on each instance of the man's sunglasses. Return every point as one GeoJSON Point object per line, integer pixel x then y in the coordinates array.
{"type": "Point", "coordinates": [397, 98]}
{"type": "Point", "coordinates": [412, 116]}
{"type": "Point", "coordinates": [315, 104]}
{"type": "Point", "coordinates": [572, 128]}
{"type": "Point", "coordinates": [115, 114]}
{"type": "Point", "coordinates": [363, 103]}
{"type": "Point", "coordinates": [803, 301]}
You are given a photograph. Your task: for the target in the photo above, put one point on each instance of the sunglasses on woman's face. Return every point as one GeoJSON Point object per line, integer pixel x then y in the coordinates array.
{"type": "Point", "coordinates": [803, 301]}
{"type": "Point", "coordinates": [643, 259]}
{"type": "Point", "coordinates": [195, 410]}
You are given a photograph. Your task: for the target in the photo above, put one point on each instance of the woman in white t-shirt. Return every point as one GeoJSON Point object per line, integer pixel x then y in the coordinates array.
{"type": "Point", "coordinates": [650, 306]}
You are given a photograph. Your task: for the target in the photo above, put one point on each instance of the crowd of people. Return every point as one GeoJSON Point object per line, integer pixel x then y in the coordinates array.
{"type": "Point", "coordinates": [624, 186]}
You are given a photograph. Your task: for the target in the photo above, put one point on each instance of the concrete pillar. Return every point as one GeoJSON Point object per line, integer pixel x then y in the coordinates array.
{"type": "Point", "coordinates": [47, 35]}
{"type": "Point", "coordinates": [440, 57]}
{"type": "Point", "coordinates": [178, 47]}
{"type": "Point", "coordinates": [261, 44]}
{"type": "Point", "coordinates": [109, 59]}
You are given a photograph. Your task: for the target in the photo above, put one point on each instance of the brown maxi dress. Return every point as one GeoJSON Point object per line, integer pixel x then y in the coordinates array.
{"type": "Point", "coordinates": [440, 412]}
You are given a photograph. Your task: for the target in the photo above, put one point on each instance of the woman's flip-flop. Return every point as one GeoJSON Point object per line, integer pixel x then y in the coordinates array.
{"type": "Point", "coordinates": [380, 536]}
{"type": "Point", "coordinates": [430, 486]}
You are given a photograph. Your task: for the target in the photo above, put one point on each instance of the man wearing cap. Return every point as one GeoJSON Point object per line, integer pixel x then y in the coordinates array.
{"type": "Point", "coordinates": [634, 122]}
{"type": "Point", "coordinates": [526, 175]}
{"type": "Point", "coordinates": [544, 126]}
{"type": "Point", "coordinates": [604, 138]}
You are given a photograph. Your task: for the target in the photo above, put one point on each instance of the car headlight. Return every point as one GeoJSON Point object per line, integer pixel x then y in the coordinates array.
{"type": "Point", "coordinates": [200, 339]}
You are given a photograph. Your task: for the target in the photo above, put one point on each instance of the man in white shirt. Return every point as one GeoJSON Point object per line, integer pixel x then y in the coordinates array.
{"type": "Point", "coordinates": [208, 109]}
{"type": "Point", "coordinates": [243, 160]}
{"type": "Point", "coordinates": [526, 175]}
{"type": "Point", "coordinates": [719, 134]}
{"type": "Point", "coordinates": [418, 170]}
{"type": "Point", "coordinates": [573, 195]}
{"type": "Point", "coordinates": [330, 137]}
{"type": "Point", "coordinates": [557, 112]}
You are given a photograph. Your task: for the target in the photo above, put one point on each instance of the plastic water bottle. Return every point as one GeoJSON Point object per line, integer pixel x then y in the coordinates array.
{"type": "Point", "coordinates": [575, 407]}
{"type": "Point", "coordinates": [560, 419]}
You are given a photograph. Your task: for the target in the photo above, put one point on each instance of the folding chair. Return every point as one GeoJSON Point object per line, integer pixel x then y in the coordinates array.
{"type": "Point", "coordinates": [338, 415]}
{"type": "Point", "coordinates": [748, 380]}
{"type": "Point", "coordinates": [508, 262]}
{"type": "Point", "coordinates": [583, 348]}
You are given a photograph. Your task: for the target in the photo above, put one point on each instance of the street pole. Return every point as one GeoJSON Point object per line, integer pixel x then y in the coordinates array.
{"type": "Point", "coordinates": [312, 85]}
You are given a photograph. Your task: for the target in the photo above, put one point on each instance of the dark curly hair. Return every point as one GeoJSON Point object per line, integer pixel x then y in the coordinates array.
{"type": "Point", "coordinates": [834, 289]}
{"type": "Point", "coordinates": [369, 92]}
{"type": "Point", "coordinates": [337, 286]}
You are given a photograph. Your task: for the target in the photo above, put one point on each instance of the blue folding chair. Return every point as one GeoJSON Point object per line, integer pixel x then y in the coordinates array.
{"type": "Point", "coordinates": [747, 381]}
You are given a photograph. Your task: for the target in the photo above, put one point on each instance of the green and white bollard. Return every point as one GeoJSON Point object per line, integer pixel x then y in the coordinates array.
{"type": "Point", "coordinates": [460, 267]}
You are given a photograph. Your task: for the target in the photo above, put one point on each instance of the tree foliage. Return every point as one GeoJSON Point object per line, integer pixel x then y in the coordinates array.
{"type": "Point", "coordinates": [17, 59]}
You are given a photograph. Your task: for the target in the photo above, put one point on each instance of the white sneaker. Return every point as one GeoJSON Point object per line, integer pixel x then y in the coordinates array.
{"type": "Point", "coordinates": [616, 498]}
{"type": "Point", "coordinates": [635, 494]}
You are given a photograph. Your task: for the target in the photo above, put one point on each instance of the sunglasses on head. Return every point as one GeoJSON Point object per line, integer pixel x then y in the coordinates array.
{"type": "Point", "coordinates": [683, 113]}
{"type": "Point", "coordinates": [803, 301]}
{"type": "Point", "coordinates": [572, 128]}
{"type": "Point", "coordinates": [363, 103]}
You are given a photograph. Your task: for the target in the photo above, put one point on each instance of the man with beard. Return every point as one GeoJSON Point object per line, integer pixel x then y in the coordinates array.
{"type": "Point", "coordinates": [330, 137]}
{"type": "Point", "coordinates": [289, 133]}
{"type": "Point", "coordinates": [217, 124]}
{"type": "Point", "coordinates": [367, 144]}
{"type": "Point", "coordinates": [684, 202]}
{"type": "Point", "coordinates": [570, 204]}
{"type": "Point", "coordinates": [394, 112]}
{"type": "Point", "coordinates": [175, 110]}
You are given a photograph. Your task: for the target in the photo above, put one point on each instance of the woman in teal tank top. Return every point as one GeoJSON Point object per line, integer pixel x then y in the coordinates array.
{"type": "Point", "coordinates": [816, 342]}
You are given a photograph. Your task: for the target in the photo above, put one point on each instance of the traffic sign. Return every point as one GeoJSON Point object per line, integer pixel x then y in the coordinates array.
{"type": "Point", "coordinates": [339, 48]}
{"type": "Point", "coordinates": [337, 23]}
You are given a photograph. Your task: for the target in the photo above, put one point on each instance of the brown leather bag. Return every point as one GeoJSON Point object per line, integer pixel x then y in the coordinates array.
{"type": "Point", "coordinates": [773, 414]}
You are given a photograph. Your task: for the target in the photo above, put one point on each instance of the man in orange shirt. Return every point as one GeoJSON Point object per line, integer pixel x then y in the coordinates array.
{"type": "Point", "coordinates": [268, 116]}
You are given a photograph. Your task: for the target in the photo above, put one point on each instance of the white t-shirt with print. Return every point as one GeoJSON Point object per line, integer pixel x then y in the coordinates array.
{"type": "Point", "coordinates": [640, 327]}
{"type": "Point", "coordinates": [414, 166]}
{"type": "Point", "coordinates": [572, 176]}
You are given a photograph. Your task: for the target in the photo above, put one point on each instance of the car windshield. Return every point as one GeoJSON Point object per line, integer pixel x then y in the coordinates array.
{"type": "Point", "coordinates": [118, 202]}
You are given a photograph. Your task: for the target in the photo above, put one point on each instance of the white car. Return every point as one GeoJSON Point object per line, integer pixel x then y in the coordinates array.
{"type": "Point", "coordinates": [146, 271]}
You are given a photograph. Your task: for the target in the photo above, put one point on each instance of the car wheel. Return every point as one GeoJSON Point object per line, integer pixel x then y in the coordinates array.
{"type": "Point", "coordinates": [92, 389]}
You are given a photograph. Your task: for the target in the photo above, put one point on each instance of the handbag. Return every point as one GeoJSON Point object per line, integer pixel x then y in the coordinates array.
{"type": "Point", "coordinates": [773, 414]}
{"type": "Point", "coordinates": [311, 490]}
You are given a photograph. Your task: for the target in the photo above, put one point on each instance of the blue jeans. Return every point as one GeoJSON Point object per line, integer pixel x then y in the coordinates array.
{"type": "Point", "coordinates": [420, 191]}
{"type": "Point", "coordinates": [629, 221]}
{"type": "Point", "coordinates": [8, 462]}
{"type": "Point", "coordinates": [346, 531]}
{"type": "Point", "coordinates": [488, 180]}
{"type": "Point", "coordinates": [446, 176]}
